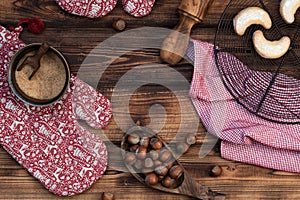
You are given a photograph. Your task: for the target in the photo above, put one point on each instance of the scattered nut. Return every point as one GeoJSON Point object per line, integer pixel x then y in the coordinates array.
{"type": "Point", "coordinates": [148, 163]}
{"type": "Point", "coordinates": [138, 164]}
{"type": "Point", "coordinates": [155, 143]}
{"type": "Point", "coordinates": [288, 10]}
{"type": "Point", "coordinates": [119, 25]}
{"type": "Point", "coordinates": [142, 152]}
{"type": "Point", "coordinates": [165, 155]}
{"type": "Point", "coordinates": [250, 16]}
{"type": "Point", "coordinates": [151, 179]}
{"type": "Point", "coordinates": [190, 139]}
{"type": "Point", "coordinates": [133, 138]}
{"type": "Point", "coordinates": [176, 171]}
{"type": "Point", "coordinates": [107, 196]}
{"type": "Point", "coordinates": [130, 158]}
{"type": "Point", "coordinates": [138, 123]}
{"type": "Point", "coordinates": [169, 165]}
{"type": "Point", "coordinates": [133, 148]}
{"type": "Point", "coordinates": [270, 49]}
{"type": "Point", "coordinates": [168, 182]}
{"type": "Point", "coordinates": [157, 163]}
{"type": "Point", "coordinates": [144, 142]}
{"type": "Point", "coordinates": [161, 170]}
{"type": "Point", "coordinates": [154, 154]}
{"type": "Point", "coordinates": [160, 178]}
{"type": "Point", "coordinates": [216, 171]}
{"type": "Point", "coordinates": [181, 148]}
{"type": "Point", "coordinates": [156, 167]}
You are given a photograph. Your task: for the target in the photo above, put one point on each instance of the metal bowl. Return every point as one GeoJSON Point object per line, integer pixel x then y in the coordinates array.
{"type": "Point", "coordinates": [12, 76]}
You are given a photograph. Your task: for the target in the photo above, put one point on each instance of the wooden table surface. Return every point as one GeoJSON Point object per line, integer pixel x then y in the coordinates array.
{"type": "Point", "coordinates": [76, 37]}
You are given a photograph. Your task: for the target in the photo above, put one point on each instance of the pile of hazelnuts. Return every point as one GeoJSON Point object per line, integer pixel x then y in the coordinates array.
{"type": "Point", "coordinates": [150, 158]}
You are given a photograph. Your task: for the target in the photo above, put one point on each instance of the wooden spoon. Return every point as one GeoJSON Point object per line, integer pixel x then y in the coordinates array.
{"type": "Point", "coordinates": [34, 61]}
{"type": "Point", "coordinates": [187, 185]}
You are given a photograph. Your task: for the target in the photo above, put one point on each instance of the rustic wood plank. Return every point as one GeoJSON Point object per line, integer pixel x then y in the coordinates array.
{"type": "Point", "coordinates": [76, 37]}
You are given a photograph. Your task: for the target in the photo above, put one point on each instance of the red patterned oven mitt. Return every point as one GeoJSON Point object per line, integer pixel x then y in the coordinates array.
{"type": "Point", "coordinates": [48, 141]}
{"type": "Point", "coordinates": [138, 8]}
{"type": "Point", "coordinates": [100, 8]}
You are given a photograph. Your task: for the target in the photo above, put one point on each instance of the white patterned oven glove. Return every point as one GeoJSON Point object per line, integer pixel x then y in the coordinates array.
{"type": "Point", "coordinates": [48, 141]}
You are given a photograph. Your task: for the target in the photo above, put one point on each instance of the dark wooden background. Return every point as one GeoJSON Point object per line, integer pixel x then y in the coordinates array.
{"type": "Point", "coordinates": [76, 37]}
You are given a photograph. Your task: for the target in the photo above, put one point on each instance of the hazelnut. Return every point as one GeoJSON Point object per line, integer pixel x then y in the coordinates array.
{"type": "Point", "coordinates": [216, 171]}
{"type": "Point", "coordinates": [154, 154]}
{"type": "Point", "coordinates": [133, 148]}
{"type": "Point", "coordinates": [190, 139]}
{"type": "Point", "coordinates": [161, 170]}
{"type": "Point", "coordinates": [155, 143]}
{"type": "Point", "coordinates": [141, 152]}
{"type": "Point", "coordinates": [176, 171]}
{"type": "Point", "coordinates": [169, 165]}
{"type": "Point", "coordinates": [133, 138]}
{"type": "Point", "coordinates": [181, 148]}
{"type": "Point", "coordinates": [165, 155]}
{"type": "Point", "coordinates": [107, 196]}
{"type": "Point", "coordinates": [157, 163]}
{"type": "Point", "coordinates": [119, 24]}
{"type": "Point", "coordinates": [138, 164]}
{"type": "Point", "coordinates": [130, 158]}
{"type": "Point", "coordinates": [144, 142]}
{"type": "Point", "coordinates": [160, 178]}
{"type": "Point", "coordinates": [151, 179]}
{"type": "Point", "coordinates": [148, 163]}
{"type": "Point", "coordinates": [138, 123]}
{"type": "Point", "coordinates": [168, 182]}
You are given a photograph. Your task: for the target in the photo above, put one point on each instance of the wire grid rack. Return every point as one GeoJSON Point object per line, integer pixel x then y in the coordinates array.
{"type": "Point", "coordinates": [268, 88]}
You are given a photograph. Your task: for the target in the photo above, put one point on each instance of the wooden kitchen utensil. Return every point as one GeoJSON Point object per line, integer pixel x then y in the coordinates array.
{"type": "Point", "coordinates": [34, 61]}
{"type": "Point", "coordinates": [186, 185]}
{"type": "Point", "coordinates": [175, 45]}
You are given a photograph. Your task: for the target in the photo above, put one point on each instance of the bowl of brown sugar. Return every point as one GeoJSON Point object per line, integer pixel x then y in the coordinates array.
{"type": "Point", "coordinates": [39, 74]}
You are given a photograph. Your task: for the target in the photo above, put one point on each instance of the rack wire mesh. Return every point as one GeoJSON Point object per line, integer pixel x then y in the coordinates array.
{"type": "Point", "coordinates": [268, 88]}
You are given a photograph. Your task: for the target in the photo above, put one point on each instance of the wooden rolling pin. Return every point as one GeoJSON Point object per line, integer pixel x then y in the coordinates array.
{"type": "Point", "coordinates": [175, 45]}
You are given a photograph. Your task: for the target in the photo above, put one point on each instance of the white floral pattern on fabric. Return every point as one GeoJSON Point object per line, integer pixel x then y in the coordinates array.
{"type": "Point", "coordinates": [48, 141]}
{"type": "Point", "coordinates": [88, 8]}
{"type": "Point", "coordinates": [138, 8]}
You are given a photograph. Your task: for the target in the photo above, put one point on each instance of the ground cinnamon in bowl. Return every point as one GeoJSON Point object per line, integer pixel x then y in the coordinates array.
{"type": "Point", "coordinates": [48, 83]}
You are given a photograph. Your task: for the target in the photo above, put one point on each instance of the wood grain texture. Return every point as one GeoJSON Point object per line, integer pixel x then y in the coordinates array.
{"type": "Point", "coordinates": [76, 37]}
{"type": "Point", "coordinates": [196, 9]}
{"type": "Point", "coordinates": [186, 185]}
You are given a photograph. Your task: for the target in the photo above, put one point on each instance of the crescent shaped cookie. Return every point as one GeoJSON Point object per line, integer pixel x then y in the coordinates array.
{"type": "Point", "coordinates": [288, 10]}
{"type": "Point", "coordinates": [270, 49]}
{"type": "Point", "coordinates": [250, 16]}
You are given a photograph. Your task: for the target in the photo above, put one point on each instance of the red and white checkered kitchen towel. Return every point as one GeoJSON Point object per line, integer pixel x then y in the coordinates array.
{"type": "Point", "coordinates": [245, 136]}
